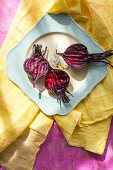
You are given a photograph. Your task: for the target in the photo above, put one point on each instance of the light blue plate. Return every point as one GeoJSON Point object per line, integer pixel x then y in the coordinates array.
{"type": "Point", "coordinates": [51, 23]}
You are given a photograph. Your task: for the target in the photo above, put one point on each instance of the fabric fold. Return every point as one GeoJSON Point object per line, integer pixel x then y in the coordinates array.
{"type": "Point", "coordinates": [91, 137]}
{"type": "Point", "coordinates": [68, 123]}
{"type": "Point", "coordinates": [22, 152]}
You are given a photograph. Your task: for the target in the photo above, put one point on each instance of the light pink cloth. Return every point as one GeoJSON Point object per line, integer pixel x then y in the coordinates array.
{"type": "Point", "coordinates": [55, 153]}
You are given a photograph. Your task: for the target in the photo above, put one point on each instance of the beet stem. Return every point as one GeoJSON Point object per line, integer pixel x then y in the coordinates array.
{"type": "Point", "coordinates": [100, 55]}
{"type": "Point", "coordinates": [44, 51]}
{"type": "Point", "coordinates": [69, 93]}
{"type": "Point", "coordinates": [61, 54]}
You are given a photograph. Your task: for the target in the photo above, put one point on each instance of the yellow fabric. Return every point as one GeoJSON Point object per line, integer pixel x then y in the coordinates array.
{"type": "Point", "coordinates": [88, 124]}
{"type": "Point", "coordinates": [22, 152]}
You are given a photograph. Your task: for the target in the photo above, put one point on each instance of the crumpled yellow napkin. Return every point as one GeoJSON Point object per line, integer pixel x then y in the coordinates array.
{"type": "Point", "coordinates": [23, 127]}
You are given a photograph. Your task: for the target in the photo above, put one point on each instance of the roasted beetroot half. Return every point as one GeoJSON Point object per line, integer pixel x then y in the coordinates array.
{"type": "Point", "coordinates": [36, 66]}
{"type": "Point", "coordinates": [57, 81]}
{"type": "Point", "coordinates": [77, 56]}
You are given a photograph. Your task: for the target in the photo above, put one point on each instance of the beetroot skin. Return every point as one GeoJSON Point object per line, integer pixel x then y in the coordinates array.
{"type": "Point", "coordinates": [57, 81]}
{"type": "Point", "coordinates": [77, 56]}
{"type": "Point", "coordinates": [36, 66]}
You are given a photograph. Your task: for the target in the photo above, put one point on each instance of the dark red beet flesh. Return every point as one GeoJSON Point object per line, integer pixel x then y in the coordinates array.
{"type": "Point", "coordinates": [36, 68]}
{"type": "Point", "coordinates": [57, 81]}
{"type": "Point", "coordinates": [77, 56]}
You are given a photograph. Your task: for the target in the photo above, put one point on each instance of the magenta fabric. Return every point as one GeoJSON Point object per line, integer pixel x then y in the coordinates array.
{"type": "Point", "coordinates": [55, 153]}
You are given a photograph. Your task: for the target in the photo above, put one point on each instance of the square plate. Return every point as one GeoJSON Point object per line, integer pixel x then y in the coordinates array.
{"type": "Point", "coordinates": [52, 30]}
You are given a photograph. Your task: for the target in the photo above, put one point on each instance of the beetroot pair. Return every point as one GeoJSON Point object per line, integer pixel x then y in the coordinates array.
{"type": "Point", "coordinates": [57, 80]}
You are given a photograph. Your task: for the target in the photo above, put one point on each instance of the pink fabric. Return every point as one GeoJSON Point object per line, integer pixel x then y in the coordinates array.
{"type": "Point", "coordinates": [55, 153]}
{"type": "Point", "coordinates": [7, 11]}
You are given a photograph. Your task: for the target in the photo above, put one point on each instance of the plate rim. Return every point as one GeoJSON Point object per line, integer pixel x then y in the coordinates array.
{"type": "Point", "coordinates": [91, 86]}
